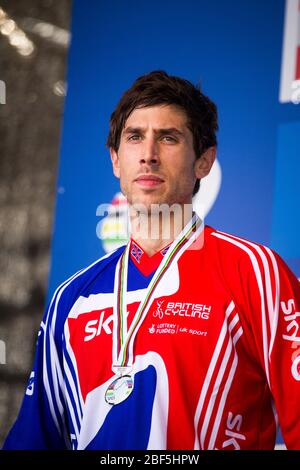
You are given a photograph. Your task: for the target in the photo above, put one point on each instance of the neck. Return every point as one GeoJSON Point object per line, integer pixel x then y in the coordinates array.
{"type": "Point", "coordinates": [155, 229]}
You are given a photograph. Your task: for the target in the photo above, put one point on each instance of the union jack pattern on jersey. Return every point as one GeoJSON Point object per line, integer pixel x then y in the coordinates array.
{"type": "Point", "coordinates": [216, 359]}
{"type": "Point", "coordinates": [136, 251]}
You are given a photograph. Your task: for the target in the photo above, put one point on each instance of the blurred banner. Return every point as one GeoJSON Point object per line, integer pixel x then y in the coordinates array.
{"type": "Point", "coordinates": [246, 56]}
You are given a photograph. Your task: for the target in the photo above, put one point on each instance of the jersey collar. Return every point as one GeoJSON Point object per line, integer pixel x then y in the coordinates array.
{"type": "Point", "coordinates": [145, 263]}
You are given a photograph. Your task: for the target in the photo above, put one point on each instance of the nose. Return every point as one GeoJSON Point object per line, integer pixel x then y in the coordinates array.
{"type": "Point", "coordinates": [150, 152]}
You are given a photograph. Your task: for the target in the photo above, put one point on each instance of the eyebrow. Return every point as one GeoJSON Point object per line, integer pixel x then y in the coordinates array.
{"type": "Point", "coordinates": [161, 131]}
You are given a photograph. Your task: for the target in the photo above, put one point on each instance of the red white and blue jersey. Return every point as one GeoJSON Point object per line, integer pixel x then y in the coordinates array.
{"type": "Point", "coordinates": [216, 360]}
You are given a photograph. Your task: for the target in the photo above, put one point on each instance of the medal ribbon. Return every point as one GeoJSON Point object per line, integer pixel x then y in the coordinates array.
{"type": "Point", "coordinates": [123, 340]}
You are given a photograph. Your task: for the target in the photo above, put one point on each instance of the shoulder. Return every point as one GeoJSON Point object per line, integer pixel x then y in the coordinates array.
{"type": "Point", "coordinates": [239, 251]}
{"type": "Point", "coordinates": [82, 283]}
{"type": "Point", "coordinates": [84, 277]}
{"type": "Point", "coordinates": [246, 259]}
{"type": "Point", "coordinates": [92, 271]}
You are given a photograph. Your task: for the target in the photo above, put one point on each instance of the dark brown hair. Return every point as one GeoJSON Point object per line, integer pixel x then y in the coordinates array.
{"type": "Point", "coordinates": [156, 88]}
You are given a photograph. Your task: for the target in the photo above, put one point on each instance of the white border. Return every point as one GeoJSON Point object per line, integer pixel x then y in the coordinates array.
{"type": "Point", "coordinates": [289, 50]}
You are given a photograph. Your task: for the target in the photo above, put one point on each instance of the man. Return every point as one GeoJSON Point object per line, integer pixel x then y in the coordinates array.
{"type": "Point", "coordinates": [185, 339]}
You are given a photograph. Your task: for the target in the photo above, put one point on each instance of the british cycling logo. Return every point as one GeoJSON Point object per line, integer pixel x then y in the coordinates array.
{"type": "Point", "coordinates": [182, 309]}
{"type": "Point", "coordinates": [159, 311]}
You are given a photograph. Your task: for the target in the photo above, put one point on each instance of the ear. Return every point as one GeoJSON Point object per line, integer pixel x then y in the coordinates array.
{"type": "Point", "coordinates": [115, 162]}
{"type": "Point", "coordinates": [203, 164]}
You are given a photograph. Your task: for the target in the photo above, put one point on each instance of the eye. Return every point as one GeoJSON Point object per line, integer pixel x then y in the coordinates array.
{"type": "Point", "coordinates": [169, 138]}
{"type": "Point", "coordinates": [134, 137]}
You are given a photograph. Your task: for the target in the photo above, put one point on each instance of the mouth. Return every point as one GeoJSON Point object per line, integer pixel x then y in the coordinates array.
{"type": "Point", "coordinates": [149, 181]}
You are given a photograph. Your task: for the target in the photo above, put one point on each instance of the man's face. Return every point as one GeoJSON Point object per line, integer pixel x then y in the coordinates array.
{"type": "Point", "coordinates": [156, 162]}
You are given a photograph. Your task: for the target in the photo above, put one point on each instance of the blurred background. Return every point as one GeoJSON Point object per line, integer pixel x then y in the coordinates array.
{"type": "Point", "coordinates": [34, 39]}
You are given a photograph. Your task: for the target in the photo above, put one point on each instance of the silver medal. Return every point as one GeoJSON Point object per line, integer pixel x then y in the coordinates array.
{"type": "Point", "coordinates": [119, 390]}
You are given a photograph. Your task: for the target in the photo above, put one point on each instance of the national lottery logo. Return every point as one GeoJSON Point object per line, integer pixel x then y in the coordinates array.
{"type": "Point", "coordinates": [175, 329]}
